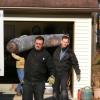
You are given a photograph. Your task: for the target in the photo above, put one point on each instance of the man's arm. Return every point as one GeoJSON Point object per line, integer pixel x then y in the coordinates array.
{"type": "Point", "coordinates": [51, 69]}
{"type": "Point", "coordinates": [16, 56]}
{"type": "Point", "coordinates": [50, 64]}
{"type": "Point", "coordinates": [75, 65]}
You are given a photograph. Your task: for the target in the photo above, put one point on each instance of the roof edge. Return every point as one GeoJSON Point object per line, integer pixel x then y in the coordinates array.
{"type": "Point", "coordinates": [45, 9]}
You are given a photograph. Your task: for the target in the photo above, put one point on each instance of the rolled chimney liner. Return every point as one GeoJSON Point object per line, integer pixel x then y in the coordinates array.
{"type": "Point", "coordinates": [26, 42]}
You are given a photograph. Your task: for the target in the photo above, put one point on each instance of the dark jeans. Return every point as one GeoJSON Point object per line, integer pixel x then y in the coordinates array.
{"type": "Point", "coordinates": [60, 90]}
{"type": "Point", "coordinates": [36, 89]}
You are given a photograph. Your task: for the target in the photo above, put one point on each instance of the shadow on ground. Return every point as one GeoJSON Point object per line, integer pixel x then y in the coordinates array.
{"type": "Point", "coordinates": [11, 96]}
{"type": "Point", "coordinates": [6, 96]}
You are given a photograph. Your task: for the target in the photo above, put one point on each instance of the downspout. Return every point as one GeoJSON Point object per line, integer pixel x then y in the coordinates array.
{"type": "Point", "coordinates": [94, 32]}
{"type": "Point", "coordinates": [98, 27]}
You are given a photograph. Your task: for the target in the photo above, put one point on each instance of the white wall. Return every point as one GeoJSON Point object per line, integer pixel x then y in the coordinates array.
{"type": "Point", "coordinates": [1, 45]}
{"type": "Point", "coordinates": [82, 48]}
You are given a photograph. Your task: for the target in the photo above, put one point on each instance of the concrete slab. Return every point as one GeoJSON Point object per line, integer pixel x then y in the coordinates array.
{"type": "Point", "coordinates": [7, 94]}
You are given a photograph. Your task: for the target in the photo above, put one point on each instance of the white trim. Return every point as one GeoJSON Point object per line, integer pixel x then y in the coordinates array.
{"type": "Point", "coordinates": [37, 19]}
{"type": "Point", "coordinates": [90, 47]}
{"type": "Point", "coordinates": [1, 44]}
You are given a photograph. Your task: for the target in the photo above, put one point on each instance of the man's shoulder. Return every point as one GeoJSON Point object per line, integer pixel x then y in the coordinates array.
{"type": "Point", "coordinates": [58, 48]}
{"type": "Point", "coordinates": [45, 51]}
{"type": "Point", "coordinates": [70, 51]}
{"type": "Point", "coordinates": [30, 52]}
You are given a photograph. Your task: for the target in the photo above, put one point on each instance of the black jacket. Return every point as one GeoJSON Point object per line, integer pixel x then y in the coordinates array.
{"type": "Point", "coordinates": [37, 66]}
{"type": "Point", "coordinates": [68, 61]}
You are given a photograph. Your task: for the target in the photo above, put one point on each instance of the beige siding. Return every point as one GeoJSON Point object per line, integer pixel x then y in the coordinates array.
{"type": "Point", "coordinates": [82, 48]}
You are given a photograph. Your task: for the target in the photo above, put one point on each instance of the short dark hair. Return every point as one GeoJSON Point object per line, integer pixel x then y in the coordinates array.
{"type": "Point", "coordinates": [39, 38]}
{"type": "Point", "coordinates": [66, 36]}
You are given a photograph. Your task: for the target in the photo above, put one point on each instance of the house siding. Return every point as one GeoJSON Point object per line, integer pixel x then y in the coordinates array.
{"type": "Point", "coordinates": [82, 48]}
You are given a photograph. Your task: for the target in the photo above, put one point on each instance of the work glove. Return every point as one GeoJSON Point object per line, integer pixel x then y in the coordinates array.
{"type": "Point", "coordinates": [22, 82]}
{"type": "Point", "coordinates": [78, 77]}
{"type": "Point", "coordinates": [51, 79]}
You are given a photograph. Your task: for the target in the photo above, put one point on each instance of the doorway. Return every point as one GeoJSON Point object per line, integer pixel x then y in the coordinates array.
{"type": "Point", "coordinates": [13, 29]}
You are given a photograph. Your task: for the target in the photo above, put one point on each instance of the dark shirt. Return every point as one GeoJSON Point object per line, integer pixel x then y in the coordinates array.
{"type": "Point", "coordinates": [37, 66]}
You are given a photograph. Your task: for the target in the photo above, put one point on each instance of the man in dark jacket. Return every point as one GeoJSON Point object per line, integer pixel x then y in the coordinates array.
{"type": "Point", "coordinates": [64, 58]}
{"type": "Point", "coordinates": [37, 65]}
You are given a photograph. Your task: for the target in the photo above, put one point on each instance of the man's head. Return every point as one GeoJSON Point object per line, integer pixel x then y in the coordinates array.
{"type": "Point", "coordinates": [39, 42]}
{"type": "Point", "coordinates": [65, 41]}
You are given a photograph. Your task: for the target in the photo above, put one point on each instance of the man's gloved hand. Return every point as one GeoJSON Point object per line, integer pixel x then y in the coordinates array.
{"type": "Point", "coordinates": [78, 77]}
{"type": "Point", "coordinates": [51, 79]}
{"type": "Point", "coordinates": [22, 82]}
